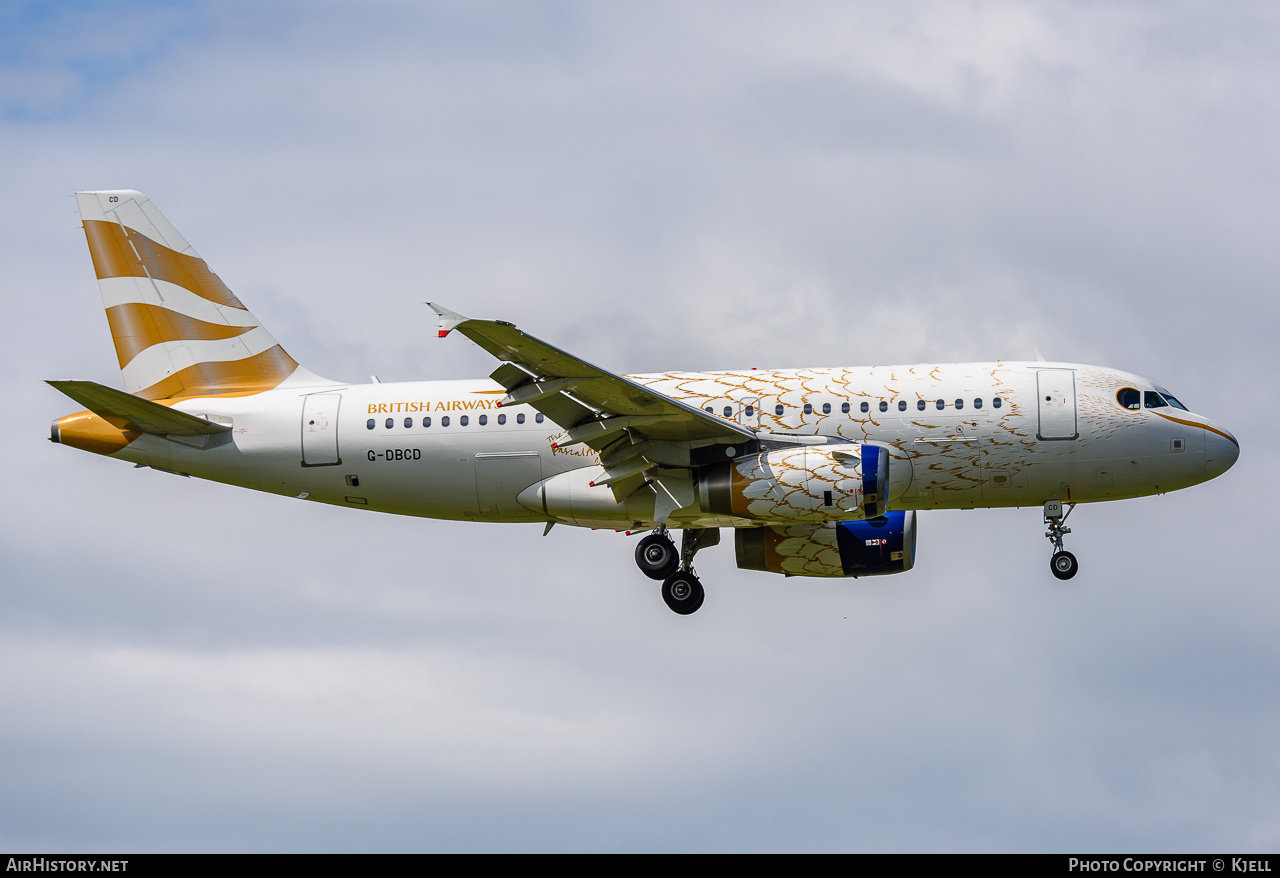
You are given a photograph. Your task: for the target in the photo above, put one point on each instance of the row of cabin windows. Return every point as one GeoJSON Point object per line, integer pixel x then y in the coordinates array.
{"type": "Point", "coordinates": [463, 420]}
{"type": "Point", "coordinates": [921, 405]}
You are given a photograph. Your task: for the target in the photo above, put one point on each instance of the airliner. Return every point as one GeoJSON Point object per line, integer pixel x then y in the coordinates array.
{"type": "Point", "coordinates": [817, 472]}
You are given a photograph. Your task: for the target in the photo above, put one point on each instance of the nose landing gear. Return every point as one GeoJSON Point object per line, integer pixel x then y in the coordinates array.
{"type": "Point", "coordinates": [1063, 564]}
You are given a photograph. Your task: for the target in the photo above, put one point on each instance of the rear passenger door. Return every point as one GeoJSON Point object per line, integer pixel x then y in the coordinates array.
{"type": "Point", "coordinates": [320, 429]}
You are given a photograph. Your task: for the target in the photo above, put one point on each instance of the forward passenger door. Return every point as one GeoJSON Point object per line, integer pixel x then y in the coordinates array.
{"type": "Point", "coordinates": [1056, 403]}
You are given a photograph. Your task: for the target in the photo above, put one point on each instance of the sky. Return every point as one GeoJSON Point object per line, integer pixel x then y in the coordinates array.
{"type": "Point", "coordinates": [186, 666]}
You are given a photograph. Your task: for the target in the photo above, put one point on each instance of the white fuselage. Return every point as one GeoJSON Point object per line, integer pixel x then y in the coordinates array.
{"type": "Point", "coordinates": [1058, 432]}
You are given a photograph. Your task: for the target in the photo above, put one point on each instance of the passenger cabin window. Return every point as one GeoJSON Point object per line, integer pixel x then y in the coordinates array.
{"type": "Point", "coordinates": [940, 405]}
{"type": "Point", "coordinates": [710, 410]}
{"type": "Point", "coordinates": [1129, 398]}
{"type": "Point", "coordinates": [902, 405]}
{"type": "Point", "coordinates": [844, 408]}
{"type": "Point", "coordinates": [502, 419]}
{"type": "Point", "coordinates": [484, 419]}
{"type": "Point", "coordinates": [519, 419]}
{"type": "Point", "coordinates": [390, 423]}
{"type": "Point", "coordinates": [997, 402]}
{"type": "Point", "coordinates": [408, 422]}
{"type": "Point", "coordinates": [884, 406]}
{"type": "Point", "coordinates": [959, 404]}
{"type": "Point", "coordinates": [463, 421]}
{"type": "Point", "coordinates": [444, 422]}
{"type": "Point", "coordinates": [826, 408]}
{"type": "Point", "coordinates": [808, 409]}
{"type": "Point", "coordinates": [751, 411]}
{"type": "Point", "coordinates": [728, 411]}
{"type": "Point", "coordinates": [920, 404]}
{"type": "Point", "coordinates": [371, 423]}
{"type": "Point", "coordinates": [865, 408]}
{"type": "Point", "coordinates": [1153, 400]}
{"type": "Point", "coordinates": [426, 422]}
{"type": "Point", "coordinates": [977, 403]}
{"type": "Point", "coordinates": [777, 410]}
{"type": "Point", "coordinates": [539, 417]}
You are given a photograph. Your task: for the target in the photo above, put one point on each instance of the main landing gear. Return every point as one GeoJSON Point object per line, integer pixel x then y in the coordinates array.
{"type": "Point", "coordinates": [657, 558]}
{"type": "Point", "coordinates": [1063, 563]}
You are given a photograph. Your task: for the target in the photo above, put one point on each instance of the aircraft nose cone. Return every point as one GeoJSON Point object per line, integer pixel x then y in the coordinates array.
{"type": "Point", "coordinates": [1220, 451]}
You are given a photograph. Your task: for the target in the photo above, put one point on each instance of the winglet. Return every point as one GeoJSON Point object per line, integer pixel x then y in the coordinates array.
{"type": "Point", "coordinates": [449, 320]}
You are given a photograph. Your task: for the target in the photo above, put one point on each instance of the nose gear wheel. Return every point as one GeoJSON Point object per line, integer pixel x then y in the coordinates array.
{"type": "Point", "coordinates": [1064, 565]}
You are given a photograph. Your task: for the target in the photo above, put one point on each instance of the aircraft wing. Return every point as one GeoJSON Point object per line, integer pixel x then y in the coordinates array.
{"type": "Point", "coordinates": [584, 399]}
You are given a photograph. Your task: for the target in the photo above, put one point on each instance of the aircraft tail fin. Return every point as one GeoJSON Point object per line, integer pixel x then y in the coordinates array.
{"type": "Point", "coordinates": [178, 330]}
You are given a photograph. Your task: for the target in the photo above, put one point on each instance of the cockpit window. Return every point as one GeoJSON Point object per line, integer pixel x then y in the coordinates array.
{"type": "Point", "coordinates": [1153, 400]}
{"type": "Point", "coordinates": [1174, 402]}
{"type": "Point", "coordinates": [1129, 399]}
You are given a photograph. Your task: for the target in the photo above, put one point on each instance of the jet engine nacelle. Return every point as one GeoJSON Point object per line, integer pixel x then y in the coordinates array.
{"type": "Point", "coordinates": [867, 547]}
{"type": "Point", "coordinates": [808, 483]}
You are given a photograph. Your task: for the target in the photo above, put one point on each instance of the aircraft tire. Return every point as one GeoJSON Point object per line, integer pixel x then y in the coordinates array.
{"type": "Point", "coordinates": [656, 556]}
{"type": "Point", "coordinates": [683, 592]}
{"type": "Point", "coordinates": [1064, 565]}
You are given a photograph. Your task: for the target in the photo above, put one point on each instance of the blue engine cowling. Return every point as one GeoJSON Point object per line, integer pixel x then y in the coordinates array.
{"type": "Point", "coordinates": [866, 547]}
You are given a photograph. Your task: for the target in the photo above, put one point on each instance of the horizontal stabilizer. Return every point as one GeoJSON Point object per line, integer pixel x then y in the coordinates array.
{"type": "Point", "coordinates": [129, 412]}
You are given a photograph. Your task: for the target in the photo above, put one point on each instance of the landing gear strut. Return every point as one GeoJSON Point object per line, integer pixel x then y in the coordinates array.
{"type": "Point", "coordinates": [656, 556]}
{"type": "Point", "coordinates": [1063, 563]}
